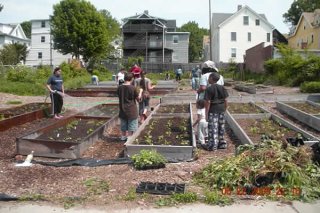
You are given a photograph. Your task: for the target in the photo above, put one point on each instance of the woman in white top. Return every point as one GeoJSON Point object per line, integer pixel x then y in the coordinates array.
{"type": "Point", "coordinates": [201, 121]}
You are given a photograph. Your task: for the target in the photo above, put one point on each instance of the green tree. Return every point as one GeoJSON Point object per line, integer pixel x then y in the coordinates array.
{"type": "Point", "coordinates": [195, 39]}
{"type": "Point", "coordinates": [79, 29]}
{"type": "Point", "coordinates": [12, 54]}
{"type": "Point", "coordinates": [297, 8]}
{"type": "Point", "coordinates": [26, 26]}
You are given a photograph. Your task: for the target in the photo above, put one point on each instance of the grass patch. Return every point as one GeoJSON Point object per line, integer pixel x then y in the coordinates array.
{"type": "Point", "coordinates": [14, 102]}
{"type": "Point", "coordinates": [22, 88]}
{"type": "Point", "coordinates": [96, 186]}
{"type": "Point", "coordinates": [31, 197]}
{"type": "Point", "coordinates": [216, 198]}
{"type": "Point", "coordinates": [175, 199]}
{"type": "Point", "coordinates": [131, 195]}
{"type": "Point", "coordinates": [69, 202]}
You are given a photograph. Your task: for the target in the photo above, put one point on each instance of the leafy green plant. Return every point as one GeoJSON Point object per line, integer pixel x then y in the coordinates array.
{"type": "Point", "coordinates": [148, 158]}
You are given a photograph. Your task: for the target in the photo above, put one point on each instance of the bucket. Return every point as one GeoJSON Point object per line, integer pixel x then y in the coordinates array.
{"type": "Point", "coordinates": [113, 77]}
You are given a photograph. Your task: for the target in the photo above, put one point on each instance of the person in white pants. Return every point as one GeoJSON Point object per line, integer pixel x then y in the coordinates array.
{"type": "Point", "coordinates": [201, 121]}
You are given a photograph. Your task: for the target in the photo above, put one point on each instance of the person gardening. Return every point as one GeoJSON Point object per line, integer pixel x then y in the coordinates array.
{"type": "Point", "coordinates": [56, 89]}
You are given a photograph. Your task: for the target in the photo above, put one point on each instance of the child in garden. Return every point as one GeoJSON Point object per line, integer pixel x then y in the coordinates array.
{"type": "Point", "coordinates": [216, 105]}
{"type": "Point", "coordinates": [201, 121]}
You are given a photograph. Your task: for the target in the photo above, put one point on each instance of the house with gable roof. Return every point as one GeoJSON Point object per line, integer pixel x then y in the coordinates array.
{"type": "Point", "coordinates": [234, 33]}
{"type": "Point", "coordinates": [155, 39]}
{"type": "Point", "coordinates": [12, 33]}
{"type": "Point", "coordinates": [307, 32]}
{"type": "Point", "coordinates": [41, 50]}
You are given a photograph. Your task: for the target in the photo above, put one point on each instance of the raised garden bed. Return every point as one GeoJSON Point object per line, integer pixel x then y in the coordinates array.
{"type": "Point", "coordinates": [254, 89]}
{"type": "Point", "coordinates": [244, 108]}
{"type": "Point", "coordinates": [108, 92]}
{"type": "Point", "coordinates": [171, 136]}
{"type": "Point", "coordinates": [67, 138]}
{"type": "Point", "coordinates": [251, 129]}
{"type": "Point", "coordinates": [22, 114]}
{"type": "Point", "coordinates": [173, 109]}
{"type": "Point", "coordinates": [306, 112]}
{"type": "Point", "coordinates": [102, 110]}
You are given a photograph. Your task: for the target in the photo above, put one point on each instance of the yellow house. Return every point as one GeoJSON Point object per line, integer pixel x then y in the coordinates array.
{"type": "Point", "coordinates": [307, 32]}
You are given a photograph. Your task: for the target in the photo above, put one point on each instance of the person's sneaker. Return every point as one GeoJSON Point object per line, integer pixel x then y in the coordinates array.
{"type": "Point", "coordinates": [123, 138]}
{"type": "Point", "coordinates": [206, 147]}
{"type": "Point", "coordinates": [222, 145]}
{"type": "Point", "coordinates": [60, 116]}
{"type": "Point", "coordinates": [56, 117]}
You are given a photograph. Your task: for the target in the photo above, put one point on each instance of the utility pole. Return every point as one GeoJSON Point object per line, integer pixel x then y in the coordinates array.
{"type": "Point", "coordinates": [210, 47]}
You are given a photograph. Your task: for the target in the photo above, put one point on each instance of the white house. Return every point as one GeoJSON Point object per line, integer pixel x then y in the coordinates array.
{"type": "Point", "coordinates": [234, 33]}
{"type": "Point", "coordinates": [41, 51]}
{"type": "Point", "coordinates": [12, 33]}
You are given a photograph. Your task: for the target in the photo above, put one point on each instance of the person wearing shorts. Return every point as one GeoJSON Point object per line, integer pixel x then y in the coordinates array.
{"type": "Point", "coordinates": [128, 111]}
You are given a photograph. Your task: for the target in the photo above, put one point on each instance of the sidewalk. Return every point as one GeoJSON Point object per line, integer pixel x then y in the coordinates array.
{"type": "Point", "coordinates": [253, 207]}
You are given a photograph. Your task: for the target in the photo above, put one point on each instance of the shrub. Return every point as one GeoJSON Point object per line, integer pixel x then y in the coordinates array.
{"type": "Point", "coordinates": [310, 87]}
{"type": "Point", "coordinates": [20, 74]}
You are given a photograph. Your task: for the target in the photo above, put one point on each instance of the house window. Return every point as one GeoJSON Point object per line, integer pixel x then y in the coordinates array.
{"type": "Point", "coordinates": [249, 36]}
{"type": "Point", "coordinates": [233, 36]}
{"type": "Point", "coordinates": [257, 22]}
{"type": "Point", "coordinates": [268, 37]}
{"type": "Point", "coordinates": [43, 24]}
{"type": "Point", "coordinates": [245, 20]}
{"type": "Point", "coordinates": [175, 39]}
{"type": "Point", "coordinates": [43, 39]}
{"type": "Point", "coordinates": [233, 52]}
{"type": "Point", "coordinates": [39, 55]}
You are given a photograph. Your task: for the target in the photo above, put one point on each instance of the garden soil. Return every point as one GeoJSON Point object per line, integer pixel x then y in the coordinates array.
{"type": "Point", "coordinates": [66, 186]}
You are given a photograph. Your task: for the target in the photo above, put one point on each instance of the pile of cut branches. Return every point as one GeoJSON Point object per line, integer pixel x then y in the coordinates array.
{"type": "Point", "coordinates": [280, 169]}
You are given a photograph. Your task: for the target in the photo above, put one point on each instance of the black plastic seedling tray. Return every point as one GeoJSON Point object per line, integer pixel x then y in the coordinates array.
{"type": "Point", "coordinates": [160, 188]}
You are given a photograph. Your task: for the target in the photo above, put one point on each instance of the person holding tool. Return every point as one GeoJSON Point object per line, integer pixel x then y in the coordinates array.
{"type": "Point", "coordinates": [55, 86]}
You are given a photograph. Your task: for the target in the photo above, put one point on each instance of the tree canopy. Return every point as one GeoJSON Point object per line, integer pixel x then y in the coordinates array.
{"type": "Point", "coordinates": [12, 54]}
{"type": "Point", "coordinates": [26, 26]}
{"type": "Point", "coordinates": [297, 8]}
{"type": "Point", "coordinates": [79, 29]}
{"type": "Point", "coordinates": [195, 39]}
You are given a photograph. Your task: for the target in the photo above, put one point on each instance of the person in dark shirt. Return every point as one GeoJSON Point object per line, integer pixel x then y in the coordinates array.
{"type": "Point", "coordinates": [216, 105]}
{"type": "Point", "coordinates": [128, 112]}
{"type": "Point", "coordinates": [55, 86]}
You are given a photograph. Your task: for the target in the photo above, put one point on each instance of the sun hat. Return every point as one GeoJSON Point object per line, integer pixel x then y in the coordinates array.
{"type": "Point", "coordinates": [209, 65]}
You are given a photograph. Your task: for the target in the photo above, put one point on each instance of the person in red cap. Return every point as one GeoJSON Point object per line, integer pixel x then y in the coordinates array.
{"type": "Point", "coordinates": [136, 71]}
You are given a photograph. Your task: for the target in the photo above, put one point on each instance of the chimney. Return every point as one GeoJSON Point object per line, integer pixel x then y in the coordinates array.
{"type": "Point", "coordinates": [239, 7]}
{"type": "Point", "coordinates": [146, 12]}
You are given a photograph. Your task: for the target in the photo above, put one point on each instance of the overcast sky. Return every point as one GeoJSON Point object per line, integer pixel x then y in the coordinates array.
{"type": "Point", "coordinates": [17, 11]}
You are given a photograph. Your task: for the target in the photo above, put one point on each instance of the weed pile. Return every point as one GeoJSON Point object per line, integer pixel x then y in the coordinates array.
{"type": "Point", "coordinates": [282, 170]}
